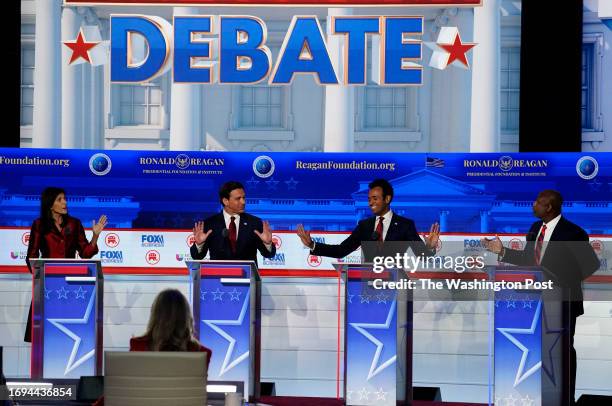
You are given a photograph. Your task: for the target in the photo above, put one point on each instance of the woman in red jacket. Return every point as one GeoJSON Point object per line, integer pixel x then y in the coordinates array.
{"type": "Point", "coordinates": [55, 234]}
{"type": "Point", "coordinates": [170, 326]}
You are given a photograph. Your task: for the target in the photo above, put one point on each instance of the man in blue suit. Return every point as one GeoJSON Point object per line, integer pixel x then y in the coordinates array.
{"type": "Point", "coordinates": [382, 227]}
{"type": "Point", "coordinates": [232, 234]}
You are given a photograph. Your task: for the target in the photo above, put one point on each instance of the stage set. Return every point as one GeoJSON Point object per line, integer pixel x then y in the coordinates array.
{"type": "Point", "coordinates": [298, 326]}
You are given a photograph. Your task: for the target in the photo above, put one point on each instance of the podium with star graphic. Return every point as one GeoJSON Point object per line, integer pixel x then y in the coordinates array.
{"type": "Point", "coordinates": [527, 333]}
{"type": "Point", "coordinates": [67, 309]}
{"type": "Point", "coordinates": [378, 338]}
{"type": "Point", "coordinates": [226, 300]}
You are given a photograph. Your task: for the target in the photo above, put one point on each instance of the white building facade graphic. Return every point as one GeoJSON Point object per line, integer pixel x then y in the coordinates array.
{"type": "Point", "coordinates": [77, 106]}
{"type": "Point", "coordinates": [454, 110]}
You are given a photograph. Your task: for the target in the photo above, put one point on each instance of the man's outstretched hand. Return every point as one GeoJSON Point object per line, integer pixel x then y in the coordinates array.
{"type": "Point", "coordinates": [199, 234]}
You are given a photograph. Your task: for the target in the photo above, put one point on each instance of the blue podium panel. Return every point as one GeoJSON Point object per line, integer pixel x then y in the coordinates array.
{"type": "Point", "coordinates": [371, 340]}
{"type": "Point", "coordinates": [518, 343]}
{"type": "Point", "coordinates": [67, 339]}
{"type": "Point", "coordinates": [224, 304]}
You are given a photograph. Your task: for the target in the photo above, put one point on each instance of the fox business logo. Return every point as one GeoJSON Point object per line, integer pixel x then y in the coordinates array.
{"type": "Point", "coordinates": [152, 257]}
{"type": "Point", "coordinates": [111, 240]}
{"type": "Point", "coordinates": [278, 259]}
{"type": "Point", "coordinates": [472, 245]}
{"type": "Point", "coordinates": [111, 257]}
{"type": "Point", "coordinates": [151, 240]}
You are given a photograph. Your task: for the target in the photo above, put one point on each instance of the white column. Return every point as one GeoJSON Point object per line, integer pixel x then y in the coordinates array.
{"type": "Point", "coordinates": [72, 106]}
{"type": "Point", "coordinates": [449, 113]}
{"type": "Point", "coordinates": [339, 124]}
{"type": "Point", "coordinates": [46, 124]}
{"type": "Point", "coordinates": [185, 108]}
{"type": "Point", "coordinates": [484, 134]}
{"type": "Point", "coordinates": [604, 10]}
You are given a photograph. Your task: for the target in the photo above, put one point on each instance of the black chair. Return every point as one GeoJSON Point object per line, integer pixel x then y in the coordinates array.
{"type": "Point", "coordinates": [594, 400]}
{"type": "Point", "coordinates": [90, 388]}
{"type": "Point", "coordinates": [268, 389]}
{"type": "Point", "coordinates": [426, 393]}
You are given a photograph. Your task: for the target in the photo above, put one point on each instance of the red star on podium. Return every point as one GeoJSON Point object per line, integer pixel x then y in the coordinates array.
{"type": "Point", "coordinates": [456, 51]}
{"type": "Point", "coordinates": [80, 48]}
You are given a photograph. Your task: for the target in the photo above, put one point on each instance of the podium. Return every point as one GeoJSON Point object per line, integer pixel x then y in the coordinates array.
{"type": "Point", "coordinates": [377, 337]}
{"type": "Point", "coordinates": [67, 310]}
{"type": "Point", "coordinates": [529, 327]}
{"type": "Point", "coordinates": [226, 300]}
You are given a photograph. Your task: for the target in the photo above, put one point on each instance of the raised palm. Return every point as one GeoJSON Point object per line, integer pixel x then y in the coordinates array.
{"type": "Point", "coordinates": [266, 234]}
{"type": "Point", "coordinates": [99, 226]}
{"type": "Point", "coordinates": [434, 236]}
{"type": "Point", "coordinates": [304, 235]}
{"type": "Point", "coordinates": [198, 233]}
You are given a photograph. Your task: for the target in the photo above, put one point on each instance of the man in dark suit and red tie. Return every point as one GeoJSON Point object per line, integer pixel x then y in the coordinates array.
{"type": "Point", "coordinates": [232, 234]}
{"type": "Point", "coordinates": [383, 226]}
{"type": "Point", "coordinates": [562, 248]}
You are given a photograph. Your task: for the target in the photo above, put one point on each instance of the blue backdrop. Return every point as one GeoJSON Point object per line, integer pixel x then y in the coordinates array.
{"type": "Point", "coordinates": [464, 192]}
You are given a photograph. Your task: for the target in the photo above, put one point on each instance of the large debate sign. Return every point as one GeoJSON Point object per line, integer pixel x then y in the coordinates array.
{"type": "Point", "coordinates": [237, 77]}
{"type": "Point", "coordinates": [232, 49]}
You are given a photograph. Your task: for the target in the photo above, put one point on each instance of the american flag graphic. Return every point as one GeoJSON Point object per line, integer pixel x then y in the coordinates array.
{"type": "Point", "coordinates": [434, 162]}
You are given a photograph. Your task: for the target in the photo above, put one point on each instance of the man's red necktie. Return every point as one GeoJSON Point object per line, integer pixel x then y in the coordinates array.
{"type": "Point", "coordinates": [232, 234]}
{"type": "Point", "coordinates": [379, 228]}
{"type": "Point", "coordinates": [539, 243]}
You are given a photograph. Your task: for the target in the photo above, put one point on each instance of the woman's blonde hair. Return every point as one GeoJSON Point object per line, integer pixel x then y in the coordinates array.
{"type": "Point", "coordinates": [171, 323]}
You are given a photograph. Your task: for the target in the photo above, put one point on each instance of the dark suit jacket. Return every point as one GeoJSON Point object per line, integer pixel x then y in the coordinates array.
{"type": "Point", "coordinates": [401, 229]}
{"type": "Point", "coordinates": [568, 257]}
{"type": "Point", "coordinates": [247, 242]}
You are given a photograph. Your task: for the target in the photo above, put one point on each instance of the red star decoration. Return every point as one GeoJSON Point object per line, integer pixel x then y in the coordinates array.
{"type": "Point", "coordinates": [80, 48]}
{"type": "Point", "coordinates": [456, 51]}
